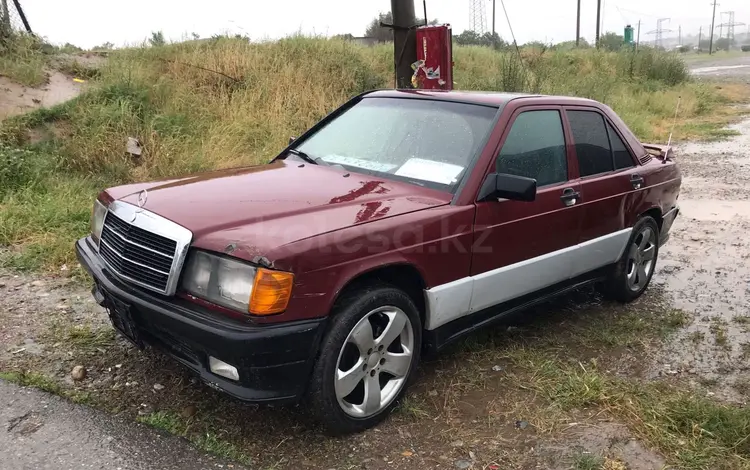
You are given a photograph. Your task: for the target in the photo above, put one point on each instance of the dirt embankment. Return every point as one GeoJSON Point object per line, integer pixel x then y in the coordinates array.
{"type": "Point", "coordinates": [62, 85]}
{"type": "Point", "coordinates": [17, 99]}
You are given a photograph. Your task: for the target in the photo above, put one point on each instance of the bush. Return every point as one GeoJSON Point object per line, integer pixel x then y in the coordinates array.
{"type": "Point", "coordinates": [746, 48]}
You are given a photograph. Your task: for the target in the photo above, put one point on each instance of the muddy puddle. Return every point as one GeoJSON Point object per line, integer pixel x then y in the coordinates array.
{"type": "Point", "coordinates": [705, 268]}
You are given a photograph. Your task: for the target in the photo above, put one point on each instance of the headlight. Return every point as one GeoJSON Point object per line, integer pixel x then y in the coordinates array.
{"type": "Point", "coordinates": [236, 285]}
{"type": "Point", "coordinates": [97, 219]}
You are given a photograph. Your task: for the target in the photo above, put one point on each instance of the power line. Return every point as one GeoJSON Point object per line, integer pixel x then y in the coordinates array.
{"type": "Point", "coordinates": [507, 18]}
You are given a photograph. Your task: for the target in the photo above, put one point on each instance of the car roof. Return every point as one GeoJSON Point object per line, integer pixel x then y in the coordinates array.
{"type": "Point", "coordinates": [500, 99]}
{"type": "Point", "coordinates": [486, 98]}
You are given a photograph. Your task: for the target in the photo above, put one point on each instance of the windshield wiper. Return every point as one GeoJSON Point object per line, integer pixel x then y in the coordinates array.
{"type": "Point", "coordinates": [305, 157]}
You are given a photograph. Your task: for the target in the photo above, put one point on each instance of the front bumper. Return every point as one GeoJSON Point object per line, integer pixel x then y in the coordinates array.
{"type": "Point", "coordinates": [274, 361]}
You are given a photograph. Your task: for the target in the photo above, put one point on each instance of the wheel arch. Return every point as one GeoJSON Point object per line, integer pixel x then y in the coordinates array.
{"type": "Point", "coordinates": [404, 276]}
{"type": "Point", "coordinates": [655, 213]}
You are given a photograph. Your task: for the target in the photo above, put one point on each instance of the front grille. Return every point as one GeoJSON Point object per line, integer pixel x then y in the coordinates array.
{"type": "Point", "coordinates": [137, 254]}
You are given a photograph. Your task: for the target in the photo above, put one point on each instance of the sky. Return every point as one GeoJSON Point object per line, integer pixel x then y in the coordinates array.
{"type": "Point", "coordinates": [87, 23]}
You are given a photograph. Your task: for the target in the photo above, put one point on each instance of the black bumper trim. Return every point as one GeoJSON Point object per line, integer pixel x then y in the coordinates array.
{"type": "Point", "coordinates": [274, 361]}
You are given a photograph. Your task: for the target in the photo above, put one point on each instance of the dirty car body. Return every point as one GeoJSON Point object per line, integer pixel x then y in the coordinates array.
{"type": "Point", "coordinates": [407, 218]}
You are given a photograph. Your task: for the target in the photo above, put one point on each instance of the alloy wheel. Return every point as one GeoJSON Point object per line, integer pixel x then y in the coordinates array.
{"type": "Point", "coordinates": [374, 362]}
{"type": "Point", "coordinates": [641, 259]}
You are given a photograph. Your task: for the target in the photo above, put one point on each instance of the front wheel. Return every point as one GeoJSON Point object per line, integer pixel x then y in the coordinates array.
{"type": "Point", "coordinates": [632, 273]}
{"type": "Point", "coordinates": [366, 360]}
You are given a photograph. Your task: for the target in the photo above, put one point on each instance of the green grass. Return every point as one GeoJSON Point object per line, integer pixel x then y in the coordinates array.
{"type": "Point", "coordinates": [209, 442]}
{"type": "Point", "coordinates": [22, 60]}
{"type": "Point", "coordinates": [691, 430]}
{"type": "Point", "coordinates": [33, 379]}
{"type": "Point", "coordinates": [587, 462]}
{"type": "Point", "coordinates": [166, 421]}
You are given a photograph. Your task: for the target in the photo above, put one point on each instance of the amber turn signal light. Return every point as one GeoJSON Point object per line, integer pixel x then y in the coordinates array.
{"type": "Point", "coordinates": [271, 292]}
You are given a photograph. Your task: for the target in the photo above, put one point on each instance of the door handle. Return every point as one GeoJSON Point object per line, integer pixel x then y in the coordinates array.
{"type": "Point", "coordinates": [570, 196]}
{"type": "Point", "coordinates": [636, 180]}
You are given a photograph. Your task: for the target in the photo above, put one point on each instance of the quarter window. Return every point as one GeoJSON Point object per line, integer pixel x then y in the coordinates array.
{"type": "Point", "coordinates": [619, 150]}
{"type": "Point", "coordinates": [592, 144]}
{"type": "Point", "coordinates": [535, 148]}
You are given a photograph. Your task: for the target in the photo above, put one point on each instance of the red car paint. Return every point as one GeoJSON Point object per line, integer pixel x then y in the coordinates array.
{"type": "Point", "coordinates": [328, 225]}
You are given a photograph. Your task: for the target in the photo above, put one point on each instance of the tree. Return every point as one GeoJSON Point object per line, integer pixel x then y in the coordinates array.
{"type": "Point", "coordinates": [157, 39]}
{"type": "Point", "coordinates": [611, 41]}
{"type": "Point", "coordinates": [107, 46]}
{"type": "Point", "coordinates": [384, 34]}
{"type": "Point", "coordinates": [568, 45]}
{"type": "Point", "coordinates": [472, 38]}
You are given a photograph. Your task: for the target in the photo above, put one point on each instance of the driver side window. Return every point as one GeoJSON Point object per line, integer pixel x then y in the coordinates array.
{"type": "Point", "coordinates": [535, 148]}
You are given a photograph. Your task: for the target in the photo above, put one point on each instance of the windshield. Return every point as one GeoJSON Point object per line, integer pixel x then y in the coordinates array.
{"type": "Point", "coordinates": [424, 142]}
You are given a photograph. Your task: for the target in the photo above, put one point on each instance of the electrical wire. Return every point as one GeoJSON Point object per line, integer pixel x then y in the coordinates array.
{"type": "Point", "coordinates": [518, 51]}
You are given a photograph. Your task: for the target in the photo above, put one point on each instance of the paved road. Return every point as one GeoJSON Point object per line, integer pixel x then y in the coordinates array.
{"type": "Point", "coordinates": [733, 67]}
{"type": "Point", "coordinates": [41, 431]}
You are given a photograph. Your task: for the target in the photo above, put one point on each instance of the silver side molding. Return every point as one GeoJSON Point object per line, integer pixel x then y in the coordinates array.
{"type": "Point", "coordinates": [462, 297]}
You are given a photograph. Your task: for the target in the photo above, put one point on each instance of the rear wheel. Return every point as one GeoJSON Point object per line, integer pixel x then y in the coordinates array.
{"type": "Point", "coordinates": [366, 360]}
{"type": "Point", "coordinates": [632, 274]}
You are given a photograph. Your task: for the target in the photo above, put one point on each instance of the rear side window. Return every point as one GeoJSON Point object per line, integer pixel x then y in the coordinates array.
{"type": "Point", "coordinates": [619, 150]}
{"type": "Point", "coordinates": [535, 148]}
{"type": "Point", "coordinates": [591, 141]}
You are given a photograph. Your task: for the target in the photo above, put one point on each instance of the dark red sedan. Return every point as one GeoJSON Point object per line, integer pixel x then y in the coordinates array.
{"type": "Point", "coordinates": [398, 223]}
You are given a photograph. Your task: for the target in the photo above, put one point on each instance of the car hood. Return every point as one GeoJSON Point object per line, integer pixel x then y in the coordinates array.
{"type": "Point", "coordinates": [251, 210]}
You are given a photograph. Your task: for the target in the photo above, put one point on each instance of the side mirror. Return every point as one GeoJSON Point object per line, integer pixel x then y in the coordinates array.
{"type": "Point", "coordinates": [502, 185]}
{"type": "Point", "coordinates": [292, 139]}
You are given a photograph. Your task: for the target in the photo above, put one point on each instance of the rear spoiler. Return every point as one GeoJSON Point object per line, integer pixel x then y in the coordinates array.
{"type": "Point", "coordinates": [664, 152]}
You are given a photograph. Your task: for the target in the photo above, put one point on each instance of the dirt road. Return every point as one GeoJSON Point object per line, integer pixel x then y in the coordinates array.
{"type": "Point", "coordinates": [705, 268]}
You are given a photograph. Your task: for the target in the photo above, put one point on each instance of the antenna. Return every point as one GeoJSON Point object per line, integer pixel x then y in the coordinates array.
{"type": "Point", "coordinates": [674, 123]}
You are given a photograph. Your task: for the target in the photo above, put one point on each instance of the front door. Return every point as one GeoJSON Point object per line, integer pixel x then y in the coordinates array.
{"type": "Point", "coordinates": [522, 247]}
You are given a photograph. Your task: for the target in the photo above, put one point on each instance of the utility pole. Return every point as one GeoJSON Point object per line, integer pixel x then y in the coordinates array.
{"type": "Point", "coordinates": [700, 36]}
{"type": "Point", "coordinates": [598, 20]}
{"type": "Point", "coordinates": [404, 40]}
{"type": "Point", "coordinates": [679, 35]}
{"type": "Point", "coordinates": [578, 24]}
{"type": "Point", "coordinates": [713, 22]}
{"type": "Point", "coordinates": [494, 41]}
{"type": "Point", "coordinates": [638, 38]}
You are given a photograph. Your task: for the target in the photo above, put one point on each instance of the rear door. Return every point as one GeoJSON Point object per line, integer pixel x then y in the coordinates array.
{"type": "Point", "coordinates": [608, 179]}
{"type": "Point", "coordinates": [521, 247]}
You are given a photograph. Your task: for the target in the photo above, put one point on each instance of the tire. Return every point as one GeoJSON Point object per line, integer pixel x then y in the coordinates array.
{"type": "Point", "coordinates": [357, 355]}
{"type": "Point", "coordinates": [627, 281]}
